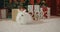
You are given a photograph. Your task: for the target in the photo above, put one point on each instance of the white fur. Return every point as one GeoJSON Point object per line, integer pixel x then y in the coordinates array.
{"type": "Point", "coordinates": [23, 17]}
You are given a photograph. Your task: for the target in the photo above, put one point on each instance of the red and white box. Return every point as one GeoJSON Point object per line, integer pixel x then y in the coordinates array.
{"type": "Point", "coordinates": [45, 12]}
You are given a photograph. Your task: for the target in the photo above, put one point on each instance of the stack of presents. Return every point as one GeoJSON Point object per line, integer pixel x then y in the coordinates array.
{"type": "Point", "coordinates": [38, 12]}
{"type": "Point", "coordinates": [35, 11]}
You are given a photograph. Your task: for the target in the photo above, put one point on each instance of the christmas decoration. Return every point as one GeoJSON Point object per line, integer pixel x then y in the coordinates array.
{"type": "Point", "coordinates": [45, 12]}
{"type": "Point", "coordinates": [36, 8]}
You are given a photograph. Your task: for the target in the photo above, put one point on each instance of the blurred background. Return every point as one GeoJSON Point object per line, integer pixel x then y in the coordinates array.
{"type": "Point", "coordinates": [8, 5]}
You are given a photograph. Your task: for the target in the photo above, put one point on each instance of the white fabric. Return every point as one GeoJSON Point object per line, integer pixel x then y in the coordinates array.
{"type": "Point", "coordinates": [23, 17]}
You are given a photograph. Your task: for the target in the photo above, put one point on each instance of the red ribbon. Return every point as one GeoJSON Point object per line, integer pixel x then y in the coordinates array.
{"type": "Point", "coordinates": [45, 11]}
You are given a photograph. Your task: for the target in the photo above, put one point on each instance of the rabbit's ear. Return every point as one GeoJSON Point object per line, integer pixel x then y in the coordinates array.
{"type": "Point", "coordinates": [24, 10]}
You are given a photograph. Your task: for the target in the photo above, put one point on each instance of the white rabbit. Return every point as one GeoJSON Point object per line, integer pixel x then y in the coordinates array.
{"type": "Point", "coordinates": [23, 17]}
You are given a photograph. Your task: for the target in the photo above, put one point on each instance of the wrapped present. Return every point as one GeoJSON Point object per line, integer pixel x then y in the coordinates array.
{"type": "Point", "coordinates": [36, 12]}
{"type": "Point", "coordinates": [45, 12]}
{"type": "Point", "coordinates": [48, 12]}
{"type": "Point", "coordinates": [30, 9]}
{"type": "Point", "coordinates": [3, 13]}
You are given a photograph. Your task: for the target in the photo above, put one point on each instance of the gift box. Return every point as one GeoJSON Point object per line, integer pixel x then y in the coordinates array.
{"type": "Point", "coordinates": [30, 9]}
{"type": "Point", "coordinates": [45, 12]}
{"type": "Point", "coordinates": [3, 13]}
{"type": "Point", "coordinates": [37, 12]}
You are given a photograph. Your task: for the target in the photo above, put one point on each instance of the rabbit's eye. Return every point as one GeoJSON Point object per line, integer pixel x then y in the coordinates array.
{"type": "Point", "coordinates": [21, 15]}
